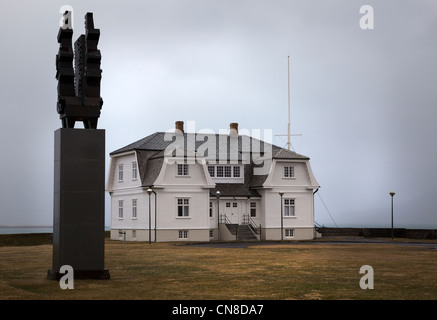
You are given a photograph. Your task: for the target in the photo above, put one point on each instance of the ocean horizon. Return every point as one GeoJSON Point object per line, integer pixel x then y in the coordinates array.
{"type": "Point", "coordinates": [29, 229]}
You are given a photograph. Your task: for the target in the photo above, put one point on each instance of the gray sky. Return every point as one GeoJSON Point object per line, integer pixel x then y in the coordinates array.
{"type": "Point", "coordinates": [364, 100]}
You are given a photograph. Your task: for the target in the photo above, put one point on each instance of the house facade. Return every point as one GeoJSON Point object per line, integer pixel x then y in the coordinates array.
{"type": "Point", "coordinates": [176, 186]}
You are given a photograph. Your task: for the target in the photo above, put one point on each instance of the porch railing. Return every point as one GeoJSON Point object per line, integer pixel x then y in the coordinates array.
{"type": "Point", "coordinates": [247, 219]}
{"type": "Point", "coordinates": [224, 219]}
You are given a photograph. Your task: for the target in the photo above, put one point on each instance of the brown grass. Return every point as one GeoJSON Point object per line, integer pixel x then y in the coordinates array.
{"type": "Point", "coordinates": [168, 271]}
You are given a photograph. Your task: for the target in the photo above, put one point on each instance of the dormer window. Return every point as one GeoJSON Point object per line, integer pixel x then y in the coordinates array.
{"type": "Point", "coordinates": [182, 169]}
{"type": "Point", "coordinates": [120, 172]}
{"type": "Point", "coordinates": [134, 170]}
{"type": "Point", "coordinates": [225, 172]}
{"type": "Point", "coordinates": [211, 171]}
{"type": "Point", "coordinates": [288, 172]}
{"type": "Point", "coordinates": [219, 173]}
{"type": "Point", "coordinates": [236, 171]}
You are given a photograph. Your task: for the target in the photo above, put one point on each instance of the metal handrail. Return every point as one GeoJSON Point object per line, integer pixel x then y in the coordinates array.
{"type": "Point", "coordinates": [224, 219]}
{"type": "Point", "coordinates": [247, 219]}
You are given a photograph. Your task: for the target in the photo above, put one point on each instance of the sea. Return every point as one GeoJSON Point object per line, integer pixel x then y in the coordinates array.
{"type": "Point", "coordinates": [29, 229]}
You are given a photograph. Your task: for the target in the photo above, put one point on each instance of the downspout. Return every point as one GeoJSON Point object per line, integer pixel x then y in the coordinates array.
{"type": "Point", "coordinates": [155, 213]}
{"type": "Point", "coordinates": [314, 216]}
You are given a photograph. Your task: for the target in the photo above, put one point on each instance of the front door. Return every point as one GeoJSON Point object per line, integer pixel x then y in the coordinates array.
{"type": "Point", "coordinates": [232, 211]}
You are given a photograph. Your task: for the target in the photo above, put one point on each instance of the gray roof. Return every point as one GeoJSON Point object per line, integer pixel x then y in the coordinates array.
{"type": "Point", "coordinates": [222, 143]}
{"type": "Point", "coordinates": [150, 156]}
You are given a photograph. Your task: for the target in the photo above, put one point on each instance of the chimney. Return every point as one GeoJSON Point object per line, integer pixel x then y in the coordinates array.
{"type": "Point", "coordinates": [179, 127]}
{"type": "Point", "coordinates": [233, 130]}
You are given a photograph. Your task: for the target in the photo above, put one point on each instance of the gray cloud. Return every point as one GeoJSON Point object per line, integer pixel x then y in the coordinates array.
{"type": "Point", "coordinates": [363, 100]}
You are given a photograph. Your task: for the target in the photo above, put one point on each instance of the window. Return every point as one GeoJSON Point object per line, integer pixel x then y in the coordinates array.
{"type": "Point", "coordinates": [211, 233]}
{"type": "Point", "coordinates": [134, 234]}
{"type": "Point", "coordinates": [220, 171]}
{"type": "Point", "coordinates": [253, 209]}
{"type": "Point", "coordinates": [183, 234]}
{"type": "Point", "coordinates": [211, 170]}
{"type": "Point", "coordinates": [288, 172]}
{"type": "Point", "coordinates": [236, 171]}
{"type": "Point", "coordinates": [134, 208]}
{"type": "Point", "coordinates": [210, 209]}
{"type": "Point", "coordinates": [183, 207]}
{"type": "Point", "coordinates": [228, 204]}
{"type": "Point", "coordinates": [120, 172]}
{"type": "Point", "coordinates": [225, 171]}
{"type": "Point", "coordinates": [120, 209]}
{"type": "Point", "coordinates": [228, 171]}
{"type": "Point", "coordinates": [289, 233]}
{"type": "Point", "coordinates": [235, 204]}
{"type": "Point", "coordinates": [288, 207]}
{"type": "Point", "coordinates": [183, 169]}
{"type": "Point", "coordinates": [134, 170]}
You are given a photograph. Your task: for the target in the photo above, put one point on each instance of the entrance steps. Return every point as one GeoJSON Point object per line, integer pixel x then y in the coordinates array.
{"type": "Point", "coordinates": [242, 231]}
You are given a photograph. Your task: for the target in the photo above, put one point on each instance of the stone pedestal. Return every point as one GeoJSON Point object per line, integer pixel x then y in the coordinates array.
{"type": "Point", "coordinates": [79, 203]}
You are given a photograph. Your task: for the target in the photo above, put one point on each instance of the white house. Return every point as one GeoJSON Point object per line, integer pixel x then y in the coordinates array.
{"type": "Point", "coordinates": [174, 186]}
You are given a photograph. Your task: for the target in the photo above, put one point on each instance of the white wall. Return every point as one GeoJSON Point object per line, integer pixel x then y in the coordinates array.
{"type": "Point", "coordinates": [128, 181]}
{"type": "Point", "coordinates": [298, 188]}
{"type": "Point", "coordinates": [195, 187]}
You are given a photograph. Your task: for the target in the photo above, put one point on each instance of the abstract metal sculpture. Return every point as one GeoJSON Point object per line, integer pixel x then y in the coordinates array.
{"type": "Point", "coordinates": [79, 88]}
{"type": "Point", "coordinates": [79, 160]}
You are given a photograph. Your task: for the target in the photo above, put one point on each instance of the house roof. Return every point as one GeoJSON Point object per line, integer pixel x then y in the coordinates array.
{"type": "Point", "coordinates": [151, 152]}
{"type": "Point", "coordinates": [223, 144]}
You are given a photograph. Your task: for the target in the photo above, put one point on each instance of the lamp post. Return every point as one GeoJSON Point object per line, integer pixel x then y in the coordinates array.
{"type": "Point", "coordinates": [149, 192]}
{"type": "Point", "coordinates": [281, 193]}
{"type": "Point", "coordinates": [217, 194]}
{"type": "Point", "coordinates": [392, 195]}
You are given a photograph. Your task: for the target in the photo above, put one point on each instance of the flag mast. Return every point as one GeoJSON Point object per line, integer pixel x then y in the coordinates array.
{"type": "Point", "coordinates": [288, 141]}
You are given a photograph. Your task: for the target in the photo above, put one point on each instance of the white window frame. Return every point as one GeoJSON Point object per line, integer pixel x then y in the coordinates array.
{"type": "Point", "coordinates": [236, 171]}
{"type": "Point", "coordinates": [220, 172]}
{"type": "Point", "coordinates": [252, 209]}
{"type": "Point", "coordinates": [211, 233]}
{"type": "Point", "coordinates": [182, 234]}
{"type": "Point", "coordinates": [289, 233]}
{"type": "Point", "coordinates": [289, 203]}
{"type": "Point", "coordinates": [288, 172]}
{"type": "Point", "coordinates": [134, 208]}
{"type": "Point", "coordinates": [184, 203]}
{"type": "Point", "coordinates": [134, 170]}
{"type": "Point", "coordinates": [227, 171]}
{"type": "Point", "coordinates": [120, 209]}
{"type": "Point", "coordinates": [120, 172]}
{"type": "Point", "coordinates": [211, 172]}
{"type": "Point", "coordinates": [182, 170]}
{"type": "Point", "coordinates": [134, 234]}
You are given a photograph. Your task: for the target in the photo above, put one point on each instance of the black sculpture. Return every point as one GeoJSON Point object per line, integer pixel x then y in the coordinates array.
{"type": "Point", "coordinates": [79, 160]}
{"type": "Point", "coordinates": [79, 88]}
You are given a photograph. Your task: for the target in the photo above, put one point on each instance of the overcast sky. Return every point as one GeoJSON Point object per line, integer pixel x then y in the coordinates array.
{"type": "Point", "coordinates": [364, 101]}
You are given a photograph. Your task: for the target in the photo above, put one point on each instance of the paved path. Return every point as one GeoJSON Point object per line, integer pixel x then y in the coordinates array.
{"type": "Point", "coordinates": [427, 245]}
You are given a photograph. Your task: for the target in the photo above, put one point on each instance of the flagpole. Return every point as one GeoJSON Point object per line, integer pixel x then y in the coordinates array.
{"type": "Point", "coordinates": [289, 142]}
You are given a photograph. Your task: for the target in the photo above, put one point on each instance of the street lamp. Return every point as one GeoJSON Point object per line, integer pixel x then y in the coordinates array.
{"type": "Point", "coordinates": [149, 192]}
{"type": "Point", "coordinates": [392, 195]}
{"type": "Point", "coordinates": [217, 194]}
{"type": "Point", "coordinates": [281, 193]}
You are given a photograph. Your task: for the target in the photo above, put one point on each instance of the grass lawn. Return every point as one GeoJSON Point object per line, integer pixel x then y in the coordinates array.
{"type": "Point", "coordinates": [167, 271]}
